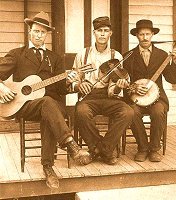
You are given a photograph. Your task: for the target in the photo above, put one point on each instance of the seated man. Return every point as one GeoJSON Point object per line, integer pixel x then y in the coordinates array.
{"type": "Point", "coordinates": [143, 64]}
{"type": "Point", "coordinates": [49, 109]}
{"type": "Point", "coordinates": [100, 97]}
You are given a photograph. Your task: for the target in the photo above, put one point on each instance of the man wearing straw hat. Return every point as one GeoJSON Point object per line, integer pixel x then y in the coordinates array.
{"type": "Point", "coordinates": [142, 65]}
{"type": "Point", "coordinates": [36, 59]}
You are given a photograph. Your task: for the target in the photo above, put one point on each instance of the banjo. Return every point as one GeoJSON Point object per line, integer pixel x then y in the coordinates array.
{"type": "Point", "coordinates": [153, 90]}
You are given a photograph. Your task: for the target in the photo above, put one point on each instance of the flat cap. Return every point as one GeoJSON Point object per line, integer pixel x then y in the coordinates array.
{"type": "Point", "coordinates": [101, 22]}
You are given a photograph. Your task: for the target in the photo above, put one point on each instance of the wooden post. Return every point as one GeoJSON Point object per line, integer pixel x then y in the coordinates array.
{"type": "Point", "coordinates": [58, 19]}
{"type": "Point", "coordinates": [174, 20]}
{"type": "Point", "coordinates": [119, 19]}
{"type": "Point", "coordinates": [87, 23]}
{"type": "Point", "coordinates": [25, 25]}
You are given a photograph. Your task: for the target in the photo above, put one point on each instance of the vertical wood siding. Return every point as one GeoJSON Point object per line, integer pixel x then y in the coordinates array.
{"type": "Point", "coordinates": [161, 13]}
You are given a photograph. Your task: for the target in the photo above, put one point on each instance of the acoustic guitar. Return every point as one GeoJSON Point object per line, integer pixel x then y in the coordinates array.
{"type": "Point", "coordinates": [153, 90]}
{"type": "Point", "coordinates": [32, 87]}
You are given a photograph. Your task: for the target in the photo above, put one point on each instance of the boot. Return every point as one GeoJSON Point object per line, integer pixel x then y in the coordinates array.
{"type": "Point", "coordinates": [110, 159]}
{"type": "Point", "coordinates": [52, 180]}
{"type": "Point", "coordinates": [77, 154]}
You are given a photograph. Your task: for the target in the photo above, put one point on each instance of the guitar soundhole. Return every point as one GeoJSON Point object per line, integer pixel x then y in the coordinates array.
{"type": "Point", "coordinates": [26, 90]}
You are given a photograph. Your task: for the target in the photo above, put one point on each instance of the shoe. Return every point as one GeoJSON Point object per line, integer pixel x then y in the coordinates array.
{"type": "Point", "coordinates": [110, 160]}
{"type": "Point", "coordinates": [52, 180]}
{"type": "Point", "coordinates": [141, 156]}
{"type": "Point", "coordinates": [94, 153]}
{"type": "Point", "coordinates": [77, 154]}
{"type": "Point", "coordinates": [154, 156]}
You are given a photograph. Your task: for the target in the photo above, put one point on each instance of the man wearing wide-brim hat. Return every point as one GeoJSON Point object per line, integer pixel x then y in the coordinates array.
{"type": "Point", "coordinates": [144, 23]}
{"type": "Point", "coordinates": [48, 108]}
{"type": "Point", "coordinates": [144, 62]}
{"type": "Point", "coordinates": [42, 19]}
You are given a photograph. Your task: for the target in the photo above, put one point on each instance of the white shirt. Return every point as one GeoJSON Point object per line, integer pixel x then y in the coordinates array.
{"type": "Point", "coordinates": [42, 48]}
{"type": "Point", "coordinates": [96, 59]}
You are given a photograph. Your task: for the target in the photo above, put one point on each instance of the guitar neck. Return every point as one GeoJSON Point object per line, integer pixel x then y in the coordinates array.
{"type": "Point", "coordinates": [161, 68]}
{"type": "Point", "coordinates": [49, 81]}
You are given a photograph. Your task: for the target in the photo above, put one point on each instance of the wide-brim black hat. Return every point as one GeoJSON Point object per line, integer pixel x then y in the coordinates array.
{"type": "Point", "coordinates": [41, 18]}
{"type": "Point", "coordinates": [144, 23]}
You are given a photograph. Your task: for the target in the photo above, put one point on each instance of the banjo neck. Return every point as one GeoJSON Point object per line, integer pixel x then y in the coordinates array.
{"type": "Point", "coordinates": [161, 68]}
{"type": "Point", "coordinates": [158, 72]}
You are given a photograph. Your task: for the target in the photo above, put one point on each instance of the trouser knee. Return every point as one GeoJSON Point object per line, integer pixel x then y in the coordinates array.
{"type": "Point", "coordinates": [82, 113]}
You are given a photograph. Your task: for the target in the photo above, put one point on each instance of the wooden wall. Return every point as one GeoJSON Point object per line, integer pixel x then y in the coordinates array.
{"type": "Point", "coordinates": [161, 13]}
{"type": "Point", "coordinates": [12, 24]}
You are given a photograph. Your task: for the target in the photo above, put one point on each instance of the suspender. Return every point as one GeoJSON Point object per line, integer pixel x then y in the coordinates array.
{"type": "Point", "coordinates": [112, 53]}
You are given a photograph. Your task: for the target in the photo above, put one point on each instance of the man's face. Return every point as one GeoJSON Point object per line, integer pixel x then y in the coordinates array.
{"type": "Point", "coordinates": [102, 35]}
{"type": "Point", "coordinates": [38, 35]}
{"type": "Point", "coordinates": [144, 36]}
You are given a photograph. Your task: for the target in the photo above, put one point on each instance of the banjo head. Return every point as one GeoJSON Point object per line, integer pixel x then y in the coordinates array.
{"type": "Point", "coordinates": [150, 97]}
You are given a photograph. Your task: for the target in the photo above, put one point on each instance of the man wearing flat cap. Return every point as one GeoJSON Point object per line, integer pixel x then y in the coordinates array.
{"type": "Point", "coordinates": [36, 59]}
{"type": "Point", "coordinates": [100, 96]}
{"type": "Point", "coordinates": [143, 64]}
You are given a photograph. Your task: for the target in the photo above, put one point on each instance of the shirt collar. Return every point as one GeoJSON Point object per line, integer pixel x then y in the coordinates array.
{"type": "Point", "coordinates": [104, 52]}
{"type": "Point", "coordinates": [31, 45]}
{"type": "Point", "coordinates": [142, 49]}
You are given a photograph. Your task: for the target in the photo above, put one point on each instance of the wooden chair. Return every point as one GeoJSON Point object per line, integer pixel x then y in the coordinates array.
{"type": "Point", "coordinates": [30, 133]}
{"type": "Point", "coordinates": [128, 137]}
{"type": "Point", "coordinates": [102, 123]}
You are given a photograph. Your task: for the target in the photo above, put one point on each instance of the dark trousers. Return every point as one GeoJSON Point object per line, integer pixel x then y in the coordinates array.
{"type": "Point", "coordinates": [158, 116]}
{"type": "Point", "coordinates": [51, 114]}
{"type": "Point", "coordinates": [116, 109]}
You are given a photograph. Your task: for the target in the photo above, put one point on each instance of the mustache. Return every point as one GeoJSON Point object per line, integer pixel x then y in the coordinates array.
{"type": "Point", "coordinates": [145, 41]}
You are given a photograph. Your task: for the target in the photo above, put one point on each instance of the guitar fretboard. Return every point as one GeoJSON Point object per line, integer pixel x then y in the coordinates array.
{"type": "Point", "coordinates": [49, 81]}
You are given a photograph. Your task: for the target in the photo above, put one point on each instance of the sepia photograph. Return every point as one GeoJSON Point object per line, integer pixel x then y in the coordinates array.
{"type": "Point", "coordinates": [87, 99]}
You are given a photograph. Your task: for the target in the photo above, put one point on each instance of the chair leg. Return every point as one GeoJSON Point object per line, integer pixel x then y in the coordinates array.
{"type": "Point", "coordinates": [22, 143]}
{"type": "Point", "coordinates": [76, 134]}
{"type": "Point", "coordinates": [77, 137]}
{"type": "Point", "coordinates": [118, 150]}
{"type": "Point", "coordinates": [68, 160]}
{"type": "Point", "coordinates": [165, 137]}
{"type": "Point", "coordinates": [164, 140]}
{"type": "Point", "coordinates": [123, 143]}
{"type": "Point", "coordinates": [55, 153]}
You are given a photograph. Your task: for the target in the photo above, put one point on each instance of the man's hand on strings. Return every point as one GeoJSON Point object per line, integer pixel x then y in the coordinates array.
{"type": "Point", "coordinates": [6, 94]}
{"type": "Point", "coordinates": [122, 83]}
{"type": "Point", "coordinates": [141, 89]}
{"type": "Point", "coordinates": [72, 76]}
{"type": "Point", "coordinates": [85, 87]}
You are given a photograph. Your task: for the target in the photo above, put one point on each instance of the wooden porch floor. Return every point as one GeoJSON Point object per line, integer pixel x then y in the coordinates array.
{"type": "Point", "coordinates": [95, 176]}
